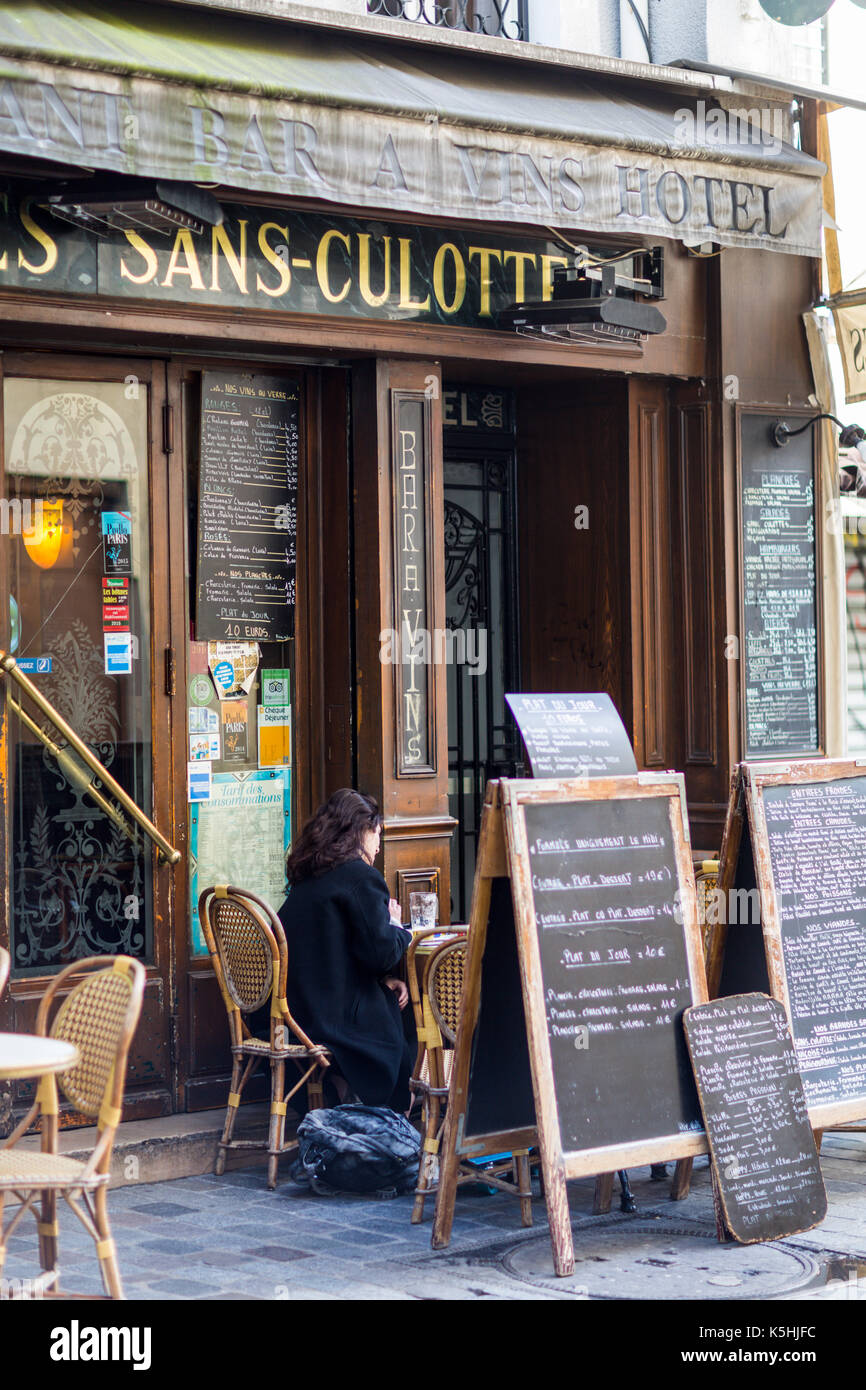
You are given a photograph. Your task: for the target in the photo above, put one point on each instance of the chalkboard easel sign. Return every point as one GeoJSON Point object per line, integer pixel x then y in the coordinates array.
{"type": "Point", "coordinates": [767, 1176]}
{"type": "Point", "coordinates": [573, 735]}
{"type": "Point", "coordinates": [584, 950]}
{"type": "Point", "coordinates": [792, 917]}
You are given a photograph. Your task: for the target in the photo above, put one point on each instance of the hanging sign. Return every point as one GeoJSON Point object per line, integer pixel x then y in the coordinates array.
{"type": "Point", "coordinates": [850, 318]}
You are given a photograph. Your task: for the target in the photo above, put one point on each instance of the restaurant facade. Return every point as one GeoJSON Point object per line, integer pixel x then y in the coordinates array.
{"type": "Point", "coordinates": [305, 470]}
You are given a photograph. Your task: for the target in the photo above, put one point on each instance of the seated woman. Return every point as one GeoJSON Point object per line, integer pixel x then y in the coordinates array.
{"type": "Point", "coordinates": [344, 942]}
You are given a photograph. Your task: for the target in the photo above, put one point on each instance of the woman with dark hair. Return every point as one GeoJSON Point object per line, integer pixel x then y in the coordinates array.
{"type": "Point", "coordinates": [344, 942]}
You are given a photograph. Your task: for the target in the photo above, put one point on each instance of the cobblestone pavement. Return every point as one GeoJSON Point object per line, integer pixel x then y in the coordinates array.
{"type": "Point", "coordinates": [229, 1238]}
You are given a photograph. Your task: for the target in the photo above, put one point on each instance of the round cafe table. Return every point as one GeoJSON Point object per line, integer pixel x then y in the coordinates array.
{"type": "Point", "coordinates": [24, 1055]}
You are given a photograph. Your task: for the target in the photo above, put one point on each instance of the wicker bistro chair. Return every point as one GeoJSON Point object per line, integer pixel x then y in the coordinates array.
{"type": "Point", "coordinates": [247, 946]}
{"type": "Point", "coordinates": [99, 1016]}
{"type": "Point", "coordinates": [435, 994]}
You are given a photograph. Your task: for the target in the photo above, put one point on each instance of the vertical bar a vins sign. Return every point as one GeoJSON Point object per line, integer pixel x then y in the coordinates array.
{"type": "Point", "coordinates": [411, 440]}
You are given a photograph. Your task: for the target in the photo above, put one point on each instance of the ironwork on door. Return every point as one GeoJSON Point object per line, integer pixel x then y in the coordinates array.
{"type": "Point", "coordinates": [482, 638]}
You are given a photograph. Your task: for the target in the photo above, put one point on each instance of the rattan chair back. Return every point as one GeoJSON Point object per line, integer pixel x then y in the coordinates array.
{"type": "Point", "coordinates": [445, 986]}
{"type": "Point", "coordinates": [247, 944]}
{"type": "Point", "coordinates": [98, 1016]}
{"type": "Point", "coordinates": [4, 968]}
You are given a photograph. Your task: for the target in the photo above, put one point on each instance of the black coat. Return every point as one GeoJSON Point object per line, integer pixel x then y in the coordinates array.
{"type": "Point", "coordinates": [341, 943]}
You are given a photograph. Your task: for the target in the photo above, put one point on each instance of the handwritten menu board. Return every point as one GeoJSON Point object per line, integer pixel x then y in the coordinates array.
{"type": "Point", "coordinates": [817, 843]}
{"type": "Point", "coordinates": [573, 735]}
{"type": "Point", "coordinates": [780, 614]}
{"type": "Point", "coordinates": [755, 1116]}
{"type": "Point", "coordinates": [247, 507]}
{"type": "Point", "coordinates": [615, 969]}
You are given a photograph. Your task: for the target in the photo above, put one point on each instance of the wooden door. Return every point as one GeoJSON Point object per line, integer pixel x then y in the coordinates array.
{"type": "Point", "coordinates": [84, 609]}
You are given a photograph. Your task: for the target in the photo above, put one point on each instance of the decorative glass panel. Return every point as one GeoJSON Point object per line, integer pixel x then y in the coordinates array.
{"type": "Point", "coordinates": [76, 507]}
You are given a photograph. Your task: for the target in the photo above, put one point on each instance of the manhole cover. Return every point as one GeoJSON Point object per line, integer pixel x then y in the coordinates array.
{"type": "Point", "coordinates": [631, 1260]}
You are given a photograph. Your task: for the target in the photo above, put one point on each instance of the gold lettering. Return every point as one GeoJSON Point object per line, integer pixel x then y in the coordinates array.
{"type": "Point", "coordinates": [410, 580]}
{"type": "Point", "coordinates": [409, 533]}
{"type": "Point", "coordinates": [547, 264]}
{"type": "Point", "coordinates": [485, 255]}
{"type": "Point", "coordinates": [374, 300]}
{"type": "Point", "coordinates": [148, 255]}
{"type": "Point", "coordinates": [183, 243]}
{"type": "Point", "coordinates": [273, 259]}
{"type": "Point", "coordinates": [409, 495]}
{"type": "Point", "coordinates": [322, 266]}
{"type": "Point", "coordinates": [235, 260]}
{"type": "Point", "coordinates": [406, 300]}
{"type": "Point", "coordinates": [459, 278]}
{"type": "Point", "coordinates": [407, 451]}
{"type": "Point", "coordinates": [521, 259]}
{"type": "Point", "coordinates": [47, 243]}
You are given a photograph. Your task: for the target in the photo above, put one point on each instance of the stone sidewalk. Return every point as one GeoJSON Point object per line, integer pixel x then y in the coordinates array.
{"type": "Point", "coordinates": [229, 1238]}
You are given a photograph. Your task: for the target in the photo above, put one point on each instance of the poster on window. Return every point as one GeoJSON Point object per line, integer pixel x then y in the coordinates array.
{"type": "Point", "coordinates": [241, 836]}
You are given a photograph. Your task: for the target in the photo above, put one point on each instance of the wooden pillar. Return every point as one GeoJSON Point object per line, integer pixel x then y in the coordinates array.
{"type": "Point", "coordinates": [401, 714]}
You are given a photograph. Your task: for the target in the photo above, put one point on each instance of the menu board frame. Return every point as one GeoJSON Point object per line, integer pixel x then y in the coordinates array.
{"type": "Point", "coordinates": [504, 853]}
{"type": "Point", "coordinates": [245, 389]}
{"type": "Point", "coordinates": [746, 816]}
{"type": "Point", "coordinates": [772, 417]}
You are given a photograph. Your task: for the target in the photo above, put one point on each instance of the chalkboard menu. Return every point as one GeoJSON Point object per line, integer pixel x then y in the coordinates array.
{"type": "Point", "coordinates": [573, 735]}
{"type": "Point", "coordinates": [806, 828]}
{"type": "Point", "coordinates": [247, 505]}
{"type": "Point", "coordinates": [614, 967]}
{"type": "Point", "coordinates": [754, 1111]}
{"type": "Point", "coordinates": [584, 950]}
{"type": "Point", "coordinates": [780, 609]}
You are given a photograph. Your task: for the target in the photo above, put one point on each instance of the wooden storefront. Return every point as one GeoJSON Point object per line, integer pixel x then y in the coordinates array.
{"type": "Point", "coordinates": [597, 484]}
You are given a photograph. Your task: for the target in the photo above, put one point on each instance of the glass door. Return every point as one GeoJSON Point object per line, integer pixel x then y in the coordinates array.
{"type": "Point", "coordinates": [82, 513]}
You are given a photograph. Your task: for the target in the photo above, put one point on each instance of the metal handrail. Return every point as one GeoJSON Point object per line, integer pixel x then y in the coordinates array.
{"type": "Point", "coordinates": [75, 774]}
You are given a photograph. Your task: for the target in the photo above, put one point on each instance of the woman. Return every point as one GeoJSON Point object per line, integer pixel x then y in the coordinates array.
{"type": "Point", "coordinates": [344, 942]}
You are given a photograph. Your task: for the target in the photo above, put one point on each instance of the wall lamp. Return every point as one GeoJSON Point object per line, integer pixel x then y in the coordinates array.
{"type": "Point", "coordinates": [850, 437]}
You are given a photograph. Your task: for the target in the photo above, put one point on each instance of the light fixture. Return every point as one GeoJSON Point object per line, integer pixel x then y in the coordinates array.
{"type": "Point", "coordinates": [49, 541]}
{"type": "Point", "coordinates": [598, 299]}
{"type": "Point", "coordinates": [103, 206]}
{"type": "Point", "coordinates": [849, 438]}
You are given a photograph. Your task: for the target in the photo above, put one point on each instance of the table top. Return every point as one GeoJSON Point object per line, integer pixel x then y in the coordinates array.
{"type": "Point", "coordinates": [26, 1054]}
{"type": "Point", "coordinates": [432, 943]}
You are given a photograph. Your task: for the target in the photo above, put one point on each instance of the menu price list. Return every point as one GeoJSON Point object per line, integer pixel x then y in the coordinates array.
{"type": "Point", "coordinates": [780, 610]}
{"type": "Point", "coordinates": [573, 735]}
{"type": "Point", "coordinates": [615, 968]}
{"type": "Point", "coordinates": [247, 509]}
{"type": "Point", "coordinates": [755, 1116]}
{"type": "Point", "coordinates": [817, 839]}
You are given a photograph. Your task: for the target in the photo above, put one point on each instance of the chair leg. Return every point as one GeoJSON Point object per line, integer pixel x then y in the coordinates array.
{"type": "Point", "coordinates": [48, 1230]}
{"type": "Point", "coordinates": [315, 1090]}
{"type": "Point", "coordinates": [682, 1180]}
{"type": "Point", "coordinates": [231, 1116]}
{"type": "Point", "coordinates": [523, 1179]}
{"type": "Point", "coordinates": [277, 1127]}
{"type": "Point", "coordinates": [429, 1154]}
{"type": "Point", "coordinates": [105, 1246]}
{"type": "Point", "coordinates": [603, 1195]}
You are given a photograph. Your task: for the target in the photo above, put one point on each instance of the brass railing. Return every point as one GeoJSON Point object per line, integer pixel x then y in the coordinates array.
{"type": "Point", "coordinates": [71, 758]}
{"type": "Point", "coordinates": [499, 19]}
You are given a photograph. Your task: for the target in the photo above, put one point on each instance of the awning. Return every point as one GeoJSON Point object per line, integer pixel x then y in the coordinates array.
{"type": "Point", "coordinates": [245, 103]}
{"type": "Point", "coordinates": [849, 312]}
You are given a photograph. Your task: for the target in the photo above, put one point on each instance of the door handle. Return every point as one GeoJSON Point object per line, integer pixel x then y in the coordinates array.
{"type": "Point", "coordinates": [70, 759]}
